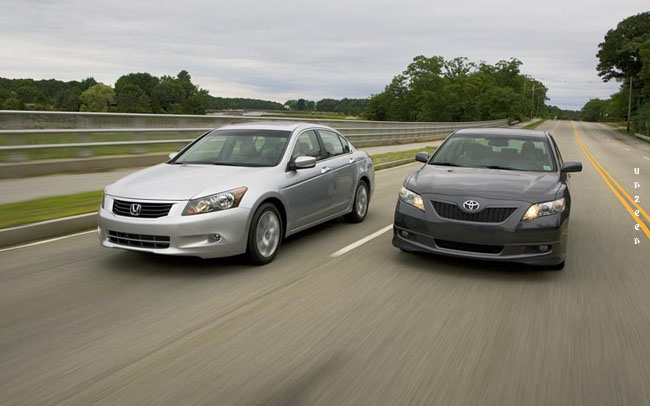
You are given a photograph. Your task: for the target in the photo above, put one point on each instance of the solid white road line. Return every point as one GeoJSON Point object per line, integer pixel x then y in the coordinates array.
{"type": "Point", "coordinates": [646, 158]}
{"type": "Point", "coordinates": [362, 241]}
{"type": "Point", "coordinates": [31, 244]}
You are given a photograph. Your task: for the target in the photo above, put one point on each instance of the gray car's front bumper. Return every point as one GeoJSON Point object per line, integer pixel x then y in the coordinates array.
{"type": "Point", "coordinates": [188, 235]}
{"type": "Point", "coordinates": [415, 230]}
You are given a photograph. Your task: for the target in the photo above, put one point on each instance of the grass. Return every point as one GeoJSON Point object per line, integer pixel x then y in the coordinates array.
{"type": "Point", "coordinates": [534, 125]}
{"type": "Point", "coordinates": [48, 208]}
{"type": "Point", "coordinates": [396, 156]}
{"type": "Point", "coordinates": [322, 116]}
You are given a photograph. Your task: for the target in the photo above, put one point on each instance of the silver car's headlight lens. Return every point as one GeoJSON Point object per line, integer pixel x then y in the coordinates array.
{"type": "Point", "coordinates": [411, 198]}
{"type": "Point", "coordinates": [220, 201]}
{"type": "Point", "coordinates": [545, 209]}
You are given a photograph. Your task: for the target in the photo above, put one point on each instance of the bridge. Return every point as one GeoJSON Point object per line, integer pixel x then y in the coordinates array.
{"type": "Point", "coordinates": [340, 316]}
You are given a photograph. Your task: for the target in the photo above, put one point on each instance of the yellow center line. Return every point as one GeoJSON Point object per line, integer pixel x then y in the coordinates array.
{"type": "Point", "coordinates": [607, 181]}
{"type": "Point", "coordinates": [643, 212]}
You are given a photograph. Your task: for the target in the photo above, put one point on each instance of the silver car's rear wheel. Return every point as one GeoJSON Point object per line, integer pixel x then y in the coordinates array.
{"type": "Point", "coordinates": [360, 205]}
{"type": "Point", "coordinates": [267, 236]}
{"type": "Point", "coordinates": [361, 201]}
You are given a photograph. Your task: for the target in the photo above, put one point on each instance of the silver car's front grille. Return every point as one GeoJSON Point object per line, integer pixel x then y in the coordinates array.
{"type": "Point", "coordinates": [487, 215]}
{"type": "Point", "coordinates": [138, 240]}
{"type": "Point", "coordinates": [142, 210]}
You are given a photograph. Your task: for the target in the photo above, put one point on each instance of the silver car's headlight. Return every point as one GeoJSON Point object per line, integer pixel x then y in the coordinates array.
{"type": "Point", "coordinates": [545, 209]}
{"type": "Point", "coordinates": [411, 198]}
{"type": "Point", "coordinates": [220, 201]}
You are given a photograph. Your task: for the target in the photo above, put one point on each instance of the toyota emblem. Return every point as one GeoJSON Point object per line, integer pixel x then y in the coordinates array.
{"type": "Point", "coordinates": [471, 205]}
{"type": "Point", "coordinates": [135, 209]}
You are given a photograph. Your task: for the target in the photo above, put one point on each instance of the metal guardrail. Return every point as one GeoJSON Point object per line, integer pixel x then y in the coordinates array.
{"type": "Point", "coordinates": [17, 148]}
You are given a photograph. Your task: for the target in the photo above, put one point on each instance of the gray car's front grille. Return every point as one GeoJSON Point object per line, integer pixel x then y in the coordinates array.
{"type": "Point", "coordinates": [147, 210]}
{"type": "Point", "coordinates": [463, 246]}
{"type": "Point", "coordinates": [487, 215]}
{"type": "Point", "coordinates": [138, 240]}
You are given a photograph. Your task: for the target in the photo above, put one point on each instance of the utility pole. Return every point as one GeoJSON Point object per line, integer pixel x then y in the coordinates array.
{"type": "Point", "coordinates": [539, 99]}
{"type": "Point", "coordinates": [532, 102]}
{"type": "Point", "coordinates": [629, 103]}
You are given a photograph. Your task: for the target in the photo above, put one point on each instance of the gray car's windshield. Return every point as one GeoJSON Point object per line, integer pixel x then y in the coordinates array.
{"type": "Point", "coordinates": [237, 148]}
{"type": "Point", "coordinates": [495, 152]}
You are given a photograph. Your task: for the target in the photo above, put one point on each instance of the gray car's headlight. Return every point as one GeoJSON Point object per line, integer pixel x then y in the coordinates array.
{"type": "Point", "coordinates": [220, 201]}
{"type": "Point", "coordinates": [545, 209]}
{"type": "Point", "coordinates": [411, 198]}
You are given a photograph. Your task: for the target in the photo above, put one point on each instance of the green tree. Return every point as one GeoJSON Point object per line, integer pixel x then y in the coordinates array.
{"type": "Point", "coordinates": [594, 110]}
{"type": "Point", "coordinates": [619, 55]}
{"type": "Point", "coordinates": [99, 97]}
{"type": "Point", "coordinates": [132, 99]}
{"type": "Point", "coordinates": [167, 96]}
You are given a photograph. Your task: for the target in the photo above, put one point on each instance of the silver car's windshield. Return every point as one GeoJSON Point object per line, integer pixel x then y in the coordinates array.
{"type": "Point", "coordinates": [237, 148]}
{"type": "Point", "coordinates": [496, 152]}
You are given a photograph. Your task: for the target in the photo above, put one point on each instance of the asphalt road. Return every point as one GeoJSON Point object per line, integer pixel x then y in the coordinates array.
{"type": "Point", "coordinates": [84, 325]}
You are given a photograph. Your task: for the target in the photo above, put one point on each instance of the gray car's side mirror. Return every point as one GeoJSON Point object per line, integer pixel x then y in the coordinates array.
{"type": "Point", "coordinates": [572, 167]}
{"type": "Point", "coordinates": [422, 157]}
{"type": "Point", "coordinates": [304, 162]}
{"type": "Point", "coordinates": [172, 155]}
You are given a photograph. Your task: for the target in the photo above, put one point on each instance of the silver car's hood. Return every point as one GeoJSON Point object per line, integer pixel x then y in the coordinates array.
{"type": "Point", "coordinates": [184, 182]}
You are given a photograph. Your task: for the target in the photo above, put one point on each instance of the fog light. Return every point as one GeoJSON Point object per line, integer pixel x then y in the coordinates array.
{"type": "Point", "coordinates": [214, 238]}
{"type": "Point", "coordinates": [405, 234]}
{"type": "Point", "coordinates": [544, 248]}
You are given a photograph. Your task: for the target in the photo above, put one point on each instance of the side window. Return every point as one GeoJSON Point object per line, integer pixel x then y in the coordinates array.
{"type": "Point", "coordinates": [307, 145]}
{"type": "Point", "coordinates": [346, 145]}
{"type": "Point", "coordinates": [331, 143]}
{"type": "Point", "coordinates": [557, 152]}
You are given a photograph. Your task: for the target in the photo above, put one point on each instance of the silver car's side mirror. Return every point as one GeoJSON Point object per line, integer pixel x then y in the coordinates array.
{"type": "Point", "coordinates": [422, 157]}
{"type": "Point", "coordinates": [172, 155]}
{"type": "Point", "coordinates": [304, 162]}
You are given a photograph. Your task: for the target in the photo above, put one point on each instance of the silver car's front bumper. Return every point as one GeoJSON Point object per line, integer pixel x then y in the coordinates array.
{"type": "Point", "coordinates": [180, 235]}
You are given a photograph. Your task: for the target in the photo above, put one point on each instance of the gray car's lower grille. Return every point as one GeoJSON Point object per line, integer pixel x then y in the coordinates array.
{"type": "Point", "coordinates": [487, 215]}
{"type": "Point", "coordinates": [463, 246]}
{"type": "Point", "coordinates": [147, 210]}
{"type": "Point", "coordinates": [138, 240]}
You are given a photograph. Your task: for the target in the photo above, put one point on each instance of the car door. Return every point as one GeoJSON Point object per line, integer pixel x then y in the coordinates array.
{"type": "Point", "coordinates": [308, 191]}
{"type": "Point", "coordinates": [341, 169]}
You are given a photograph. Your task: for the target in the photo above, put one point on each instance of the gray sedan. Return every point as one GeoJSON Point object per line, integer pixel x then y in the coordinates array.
{"type": "Point", "coordinates": [238, 189]}
{"type": "Point", "coordinates": [495, 194]}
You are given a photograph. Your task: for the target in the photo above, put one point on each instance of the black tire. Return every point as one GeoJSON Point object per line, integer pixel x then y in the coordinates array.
{"type": "Point", "coordinates": [254, 251]}
{"type": "Point", "coordinates": [556, 267]}
{"type": "Point", "coordinates": [361, 196]}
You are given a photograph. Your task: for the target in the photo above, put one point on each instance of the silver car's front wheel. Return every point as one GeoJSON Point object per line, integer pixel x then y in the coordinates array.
{"type": "Point", "coordinates": [265, 234]}
{"type": "Point", "coordinates": [268, 233]}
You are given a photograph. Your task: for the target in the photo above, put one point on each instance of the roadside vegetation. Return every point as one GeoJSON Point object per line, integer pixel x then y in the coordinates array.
{"type": "Point", "coordinates": [624, 56]}
{"type": "Point", "coordinates": [396, 156]}
{"type": "Point", "coordinates": [534, 125]}
{"type": "Point", "coordinates": [32, 211]}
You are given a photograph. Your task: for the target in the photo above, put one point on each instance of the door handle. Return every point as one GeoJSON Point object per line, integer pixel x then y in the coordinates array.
{"type": "Point", "coordinates": [351, 159]}
{"type": "Point", "coordinates": [325, 169]}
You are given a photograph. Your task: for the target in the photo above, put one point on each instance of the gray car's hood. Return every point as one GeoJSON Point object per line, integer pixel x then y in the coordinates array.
{"type": "Point", "coordinates": [487, 183]}
{"type": "Point", "coordinates": [183, 182]}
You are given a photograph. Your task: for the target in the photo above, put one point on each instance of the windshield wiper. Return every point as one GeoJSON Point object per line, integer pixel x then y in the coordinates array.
{"type": "Point", "coordinates": [445, 164]}
{"type": "Point", "coordinates": [500, 167]}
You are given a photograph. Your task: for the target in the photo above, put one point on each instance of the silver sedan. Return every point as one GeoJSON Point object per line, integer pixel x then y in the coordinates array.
{"type": "Point", "coordinates": [238, 189]}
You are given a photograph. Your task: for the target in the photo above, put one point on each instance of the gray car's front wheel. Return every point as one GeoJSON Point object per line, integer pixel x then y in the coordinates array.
{"type": "Point", "coordinates": [360, 206]}
{"type": "Point", "coordinates": [265, 235]}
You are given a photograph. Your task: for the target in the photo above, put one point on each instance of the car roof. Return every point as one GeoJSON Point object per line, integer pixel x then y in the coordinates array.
{"type": "Point", "coordinates": [271, 125]}
{"type": "Point", "coordinates": [506, 132]}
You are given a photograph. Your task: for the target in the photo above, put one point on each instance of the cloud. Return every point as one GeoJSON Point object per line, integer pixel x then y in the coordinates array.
{"type": "Point", "coordinates": [288, 49]}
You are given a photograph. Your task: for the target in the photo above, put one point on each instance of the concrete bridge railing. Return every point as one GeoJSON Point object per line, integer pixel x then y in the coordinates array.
{"type": "Point", "coordinates": [34, 135]}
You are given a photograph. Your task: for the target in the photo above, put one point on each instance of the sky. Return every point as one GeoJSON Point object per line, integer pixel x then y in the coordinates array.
{"type": "Point", "coordinates": [288, 49]}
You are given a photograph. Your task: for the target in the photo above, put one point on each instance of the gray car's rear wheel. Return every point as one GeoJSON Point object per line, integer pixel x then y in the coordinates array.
{"type": "Point", "coordinates": [360, 205]}
{"type": "Point", "coordinates": [265, 235]}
